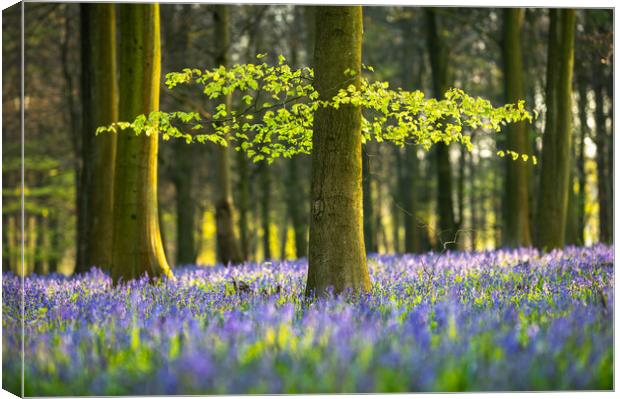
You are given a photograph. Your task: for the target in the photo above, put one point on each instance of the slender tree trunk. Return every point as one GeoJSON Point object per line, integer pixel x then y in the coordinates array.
{"type": "Point", "coordinates": [228, 246]}
{"type": "Point", "coordinates": [413, 71]}
{"type": "Point", "coordinates": [186, 247]}
{"type": "Point", "coordinates": [517, 213]}
{"type": "Point", "coordinates": [609, 87]}
{"type": "Point", "coordinates": [439, 67]}
{"type": "Point", "coordinates": [555, 168]}
{"type": "Point", "coordinates": [265, 208]}
{"type": "Point", "coordinates": [100, 107]}
{"type": "Point", "coordinates": [73, 125]}
{"type": "Point", "coordinates": [408, 189]}
{"type": "Point", "coordinates": [605, 221]}
{"type": "Point", "coordinates": [474, 202]}
{"type": "Point", "coordinates": [581, 167]}
{"type": "Point", "coordinates": [295, 196]}
{"type": "Point", "coordinates": [137, 246]}
{"type": "Point", "coordinates": [337, 257]}
{"type": "Point", "coordinates": [296, 209]}
{"type": "Point", "coordinates": [181, 170]}
{"type": "Point", "coordinates": [370, 231]}
{"type": "Point", "coordinates": [244, 206]}
{"type": "Point", "coordinates": [31, 244]}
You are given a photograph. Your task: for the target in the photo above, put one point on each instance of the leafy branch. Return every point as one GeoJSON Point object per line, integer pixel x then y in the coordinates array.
{"type": "Point", "coordinates": [281, 125]}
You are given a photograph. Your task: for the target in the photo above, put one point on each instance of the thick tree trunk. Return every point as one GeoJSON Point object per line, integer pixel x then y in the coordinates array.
{"type": "Point", "coordinates": [517, 211]}
{"type": "Point", "coordinates": [337, 257]}
{"type": "Point", "coordinates": [555, 164]}
{"type": "Point", "coordinates": [439, 65]}
{"type": "Point", "coordinates": [137, 246]}
{"type": "Point", "coordinates": [100, 107]}
{"type": "Point", "coordinates": [227, 244]}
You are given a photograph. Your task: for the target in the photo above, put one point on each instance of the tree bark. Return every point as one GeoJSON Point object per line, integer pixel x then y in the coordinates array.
{"type": "Point", "coordinates": [137, 246]}
{"type": "Point", "coordinates": [265, 208]}
{"type": "Point", "coordinates": [581, 167]}
{"type": "Point", "coordinates": [556, 153]}
{"type": "Point", "coordinates": [439, 66]}
{"type": "Point", "coordinates": [227, 244]}
{"type": "Point", "coordinates": [243, 202]}
{"type": "Point", "coordinates": [295, 208]}
{"type": "Point", "coordinates": [337, 257]}
{"type": "Point", "coordinates": [517, 211]}
{"type": "Point", "coordinates": [605, 219]}
{"type": "Point", "coordinates": [181, 170]}
{"type": "Point", "coordinates": [100, 107]}
{"type": "Point", "coordinates": [370, 230]}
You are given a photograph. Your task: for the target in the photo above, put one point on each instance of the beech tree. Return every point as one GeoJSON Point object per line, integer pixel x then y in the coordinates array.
{"type": "Point", "coordinates": [100, 107]}
{"type": "Point", "coordinates": [227, 245]}
{"type": "Point", "coordinates": [337, 255]}
{"type": "Point", "coordinates": [137, 246]}
{"type": "Point", "coordinates": [438, 54]}
{"type": "Point", "coordinates": [516, 213]}
{"type": "Point", "coordinates": [557, 138]}
{"type": "Point", "coordinates": [287, 111]}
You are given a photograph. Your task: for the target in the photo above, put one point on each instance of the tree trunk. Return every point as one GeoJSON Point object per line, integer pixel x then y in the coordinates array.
{"type": "Point", "coordinates": [243, 202]}
{"type": "Point", "coordinates": [181, 170]}
{"type": "Point", "coordinates": [605, 220]}
{"type": "Point", "coordinates": [100, 107]}
{"type": "Point", "coordinates": [265, 208]}
{"type": "Point", "coordinates": [370, 231]}
{"type": "Point", "coordinates": [137, 246]}
{"type": "Point", "coordinates": [296, 209]}
{"type": "Point", "coordinates": [517, 211]}
{"type": "Point", "coordinates": [581, 166]}
{"type": "Point", "coordinates": [186, 248]}
{"type": "Point", "coordinates": [337, 257]}
{"type": "Point", "coordinates": [408, 189]}
{"type": "Point", "coordinates": [556, 153]}
{"type": "Point", "coordinates": [295, 195]}
{"type": "Point", "coordinates": [439, 66]}
{"type": "Point", "coordinates": [227, 244]}
{"type": "Point", "coordinates": [412, 78]}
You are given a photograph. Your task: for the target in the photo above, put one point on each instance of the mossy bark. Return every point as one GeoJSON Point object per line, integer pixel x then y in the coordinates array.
{"type": "Point", "coordinates": [438, 54]}
{"type": "Point", "coordinates": [227, 244]}
{"type": "Point", "coordinates": [137, 246]}
{"type": "Point", "coordinates": [516, 229]}
{"type": "Point", "coordinates": [557, 139]}
{"type": "Point", "coordinates": [100, 107]}
{"type": "Point", "coordinates": [337, 256]}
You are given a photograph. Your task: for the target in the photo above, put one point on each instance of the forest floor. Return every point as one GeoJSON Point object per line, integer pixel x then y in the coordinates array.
{"type": "Point", "coordinates": [497, 320]}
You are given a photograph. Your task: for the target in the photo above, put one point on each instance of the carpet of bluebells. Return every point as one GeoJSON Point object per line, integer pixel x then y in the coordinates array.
{"type": "Point", "coordinates": [497, 320]}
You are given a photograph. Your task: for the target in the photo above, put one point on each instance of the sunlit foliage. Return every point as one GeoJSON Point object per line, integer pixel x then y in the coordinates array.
{"type": "Point", "coordinates": [278, 105]}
